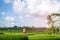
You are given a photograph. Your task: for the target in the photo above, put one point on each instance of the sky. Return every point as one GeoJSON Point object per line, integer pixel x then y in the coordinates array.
{"type": "Point", "coordinates": [27, 12]}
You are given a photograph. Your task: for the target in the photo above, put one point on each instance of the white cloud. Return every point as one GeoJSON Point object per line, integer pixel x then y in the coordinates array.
{"type": "Point", "coordinates": [18, 6]}
{"type": "Point", "coordinates": [43, 6]}
{"type": "Point", "coordinates": [39, 22]}
{"type": "Point", "coordinates": [37, 9]}
{"type": "Point", "coordinates": [34, 6]}
{"type": "Point", "coordinates": [7, 1]}
{"type": "Point", "coordinates": [9, 18]}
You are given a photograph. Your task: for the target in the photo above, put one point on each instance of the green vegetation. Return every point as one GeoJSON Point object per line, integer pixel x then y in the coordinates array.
{"type": "Point", "coordinates": [45, 37]}
{"type": "Point", "coordinates": [30, 36]}
{"type": "Point", "coordinates": [12, 36]}
{"type": "Point", "coordinates": [15, 33]}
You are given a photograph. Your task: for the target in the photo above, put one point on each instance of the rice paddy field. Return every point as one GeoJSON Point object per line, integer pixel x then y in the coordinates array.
{"type": "Point", "coordinates": [30, 36]}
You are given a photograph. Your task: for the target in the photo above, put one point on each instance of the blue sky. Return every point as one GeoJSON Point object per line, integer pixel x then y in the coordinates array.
{"type": "Point", "coordinates": [27, 12]}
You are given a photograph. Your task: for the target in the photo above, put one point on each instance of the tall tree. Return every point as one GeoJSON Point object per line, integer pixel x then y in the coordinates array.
{"type": "Point", "coordinates": [50, 22]}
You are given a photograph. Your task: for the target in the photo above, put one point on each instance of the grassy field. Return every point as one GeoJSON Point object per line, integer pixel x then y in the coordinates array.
{"type": "Point", "coordinates": [31, 36]}
{"type": "Point", "coordinates": [45, 37]}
